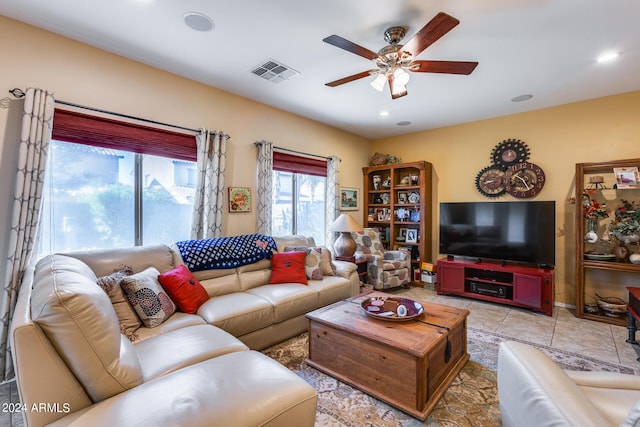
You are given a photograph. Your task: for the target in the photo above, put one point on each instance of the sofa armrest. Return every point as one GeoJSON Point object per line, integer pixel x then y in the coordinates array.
{"type": "Point", "coordinates": [533, 391]}
{"type": "Point", "coordinates": [344, 268]}
{"type": "Point", "coordinates": [397, 255]}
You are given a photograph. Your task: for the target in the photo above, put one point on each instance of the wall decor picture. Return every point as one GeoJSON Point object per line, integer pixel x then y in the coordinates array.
{"type": "Point", "coordinates": [627, 177]}
{"type": "Point", "coordinates": [349, 199]}
{"type": "Point", "coordinates": [239, 199]}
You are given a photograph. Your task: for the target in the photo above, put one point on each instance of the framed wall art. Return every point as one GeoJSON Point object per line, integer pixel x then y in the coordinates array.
{"type": "Point", "coordinates": [349, 199]}
{"type": "Point", "coordinates": [239, 199]}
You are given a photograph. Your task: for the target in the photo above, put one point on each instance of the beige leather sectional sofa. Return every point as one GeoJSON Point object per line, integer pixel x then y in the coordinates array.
{"type": "Point", "coordinates": [75, 367]}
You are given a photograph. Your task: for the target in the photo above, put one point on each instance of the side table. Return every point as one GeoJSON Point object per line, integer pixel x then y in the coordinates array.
{"type": "Point", "coordinates": [361, 263]}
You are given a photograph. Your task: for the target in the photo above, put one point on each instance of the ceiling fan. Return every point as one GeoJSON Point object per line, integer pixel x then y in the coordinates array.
{"type": "Point", "coordinates": [395, 60]}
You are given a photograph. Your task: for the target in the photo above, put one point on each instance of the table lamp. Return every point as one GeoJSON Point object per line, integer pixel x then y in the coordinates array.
{"type": "Point", "coordinates": [345, 245]}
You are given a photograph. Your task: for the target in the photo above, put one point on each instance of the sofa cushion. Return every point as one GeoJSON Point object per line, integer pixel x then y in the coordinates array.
{"type": "Point", "coordinates": [288, 299]}
{"type": "Point", "coordinates": [240, 389]}
{"type": "Point", "coordinates": [238, 313]}
{"type": "Point", "coordinates": [81, 324]}
{"type": "Point", "coordinates": [178, 320]}
{"type": "Point", "coordinates": [129, 320]}
{"type": "Point", "coordinates": [147, 297]}
{"type": "Point", "coordinates": [288, 267]}
{"type": "Point", "coordinates": [195, 344]}
{"type": "Point", "coordinates": [184, 289]}
{"type": "Point", "coordinates": [331, 289]}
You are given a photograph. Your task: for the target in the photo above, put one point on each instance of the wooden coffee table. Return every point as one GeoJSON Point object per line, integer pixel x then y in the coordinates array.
{"type": "Point", "coordinates": [407, 364]}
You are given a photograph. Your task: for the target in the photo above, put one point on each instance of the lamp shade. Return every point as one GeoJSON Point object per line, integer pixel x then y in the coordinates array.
{"type": "Point", "coordinates": [345, 223]}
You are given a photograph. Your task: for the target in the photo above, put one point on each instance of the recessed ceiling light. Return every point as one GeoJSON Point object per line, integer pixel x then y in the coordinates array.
{"type": "Point", "coordinates": [198, 21]}
{"type": "Point", "coordinates": [522, 98]}
{"type": "Point", "coordinates": [384, 113]}
{"type": "Point", "coordinates": [608, 56]}
{"type": "Point", "coordinates": [404, 123]}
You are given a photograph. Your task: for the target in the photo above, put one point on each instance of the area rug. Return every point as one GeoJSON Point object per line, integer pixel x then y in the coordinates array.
{"type": "Point", "coordinates": [471, 400]}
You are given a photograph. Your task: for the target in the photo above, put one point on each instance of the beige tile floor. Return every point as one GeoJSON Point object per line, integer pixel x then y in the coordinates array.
{"type": "Point", "coordinates": [562, 331]}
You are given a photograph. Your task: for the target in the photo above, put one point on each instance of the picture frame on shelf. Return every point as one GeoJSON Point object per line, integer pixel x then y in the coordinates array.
{"type": "Point", "coordinates": [239, 199]}
{"type": "Point", "coordinates": [627, 177]}
{"type": "Point", "coordinates": [402, 197]}
{"type": "Point", "coordinates": [402, 234]}
{"type": "Point", "coordinates": [349, 199]}
{"type": "Point", "coordinates": [412, 236]}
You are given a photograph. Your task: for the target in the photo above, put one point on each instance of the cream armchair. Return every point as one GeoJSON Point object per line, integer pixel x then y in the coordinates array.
{"type": "Point", "coordinates": [385, 268]}
{"type": "Point", "coordinates": [534, 391]}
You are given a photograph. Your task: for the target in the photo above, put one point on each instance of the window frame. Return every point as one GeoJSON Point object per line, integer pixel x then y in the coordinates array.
{"type": "Point", "coordinates": [74, 127]}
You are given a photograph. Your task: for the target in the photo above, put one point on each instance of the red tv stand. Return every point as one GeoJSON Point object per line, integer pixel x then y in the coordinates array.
{"type": "Point", "coordinates": [519, 286]}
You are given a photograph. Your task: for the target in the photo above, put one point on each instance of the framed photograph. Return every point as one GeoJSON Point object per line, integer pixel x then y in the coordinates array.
{"type": "Point", "coordinates": [239, 199]}
{"type": "Point", "coordinates": [349, 199]}
{"type": "Point", "coordinates": [402, 235]}
{"type": "Point", "coordinates": [412, 236]}
{"type": "Point", "coordinates": [627, 177]}
{"type": "Point", "coordinates": [402, 197]}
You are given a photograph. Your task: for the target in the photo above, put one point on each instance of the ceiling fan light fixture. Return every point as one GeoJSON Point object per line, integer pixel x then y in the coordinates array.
{"type": "Point", "coordinates": [378, 82]}
{"type": "Point", "coordinates": [400, 77]}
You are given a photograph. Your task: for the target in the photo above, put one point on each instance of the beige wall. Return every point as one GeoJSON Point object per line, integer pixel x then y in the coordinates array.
{"type": "Point", "coordinates": [84, 75]}
{"type": "Point", "coordinates": [596, 130]}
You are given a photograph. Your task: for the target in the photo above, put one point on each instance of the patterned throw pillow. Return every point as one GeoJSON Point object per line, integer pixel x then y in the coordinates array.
{"type": "Point", "coordinates": [312, 260]}
{"type": "Point", "coordinates": [288, 267]}
{"type": "Point", "coordinates": [184, 289]}
{"type": "Point", "coordinates": [129, 321]}
{"type": "Point", "coordinates": [147, 297]}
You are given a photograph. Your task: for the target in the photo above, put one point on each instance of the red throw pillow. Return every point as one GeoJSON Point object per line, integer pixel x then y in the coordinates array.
{"type": "Point", "coordinates": [288, 267]}
{"type": "Point", "coordinates": [184, 289]}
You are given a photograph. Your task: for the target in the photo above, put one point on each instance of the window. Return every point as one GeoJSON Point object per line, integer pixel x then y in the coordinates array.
{"type": "Point", "coordinates": [298, 205]}
{"type": "Point", "coordinates": [97, 196]}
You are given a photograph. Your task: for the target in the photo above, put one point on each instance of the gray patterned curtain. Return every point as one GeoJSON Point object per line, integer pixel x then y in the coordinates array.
{"type": "Point", "coordinates": [332, 208]}
{"type": "Point", "coordinates": [209, 195]}
{"type": "Point", "coordinates": [265, 187]}
{"type": "Point", "coordinates": [37, 122]}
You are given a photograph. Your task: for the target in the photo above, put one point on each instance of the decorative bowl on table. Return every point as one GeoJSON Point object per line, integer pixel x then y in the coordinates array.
{"type": "Point", "coordinates": [392, 308]}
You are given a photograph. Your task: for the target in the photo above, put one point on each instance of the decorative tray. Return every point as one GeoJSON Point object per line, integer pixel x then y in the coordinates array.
{"type": "Point", "coordinates": [600, 257]}
{"type": "Point", "coordinates": [392, 308]}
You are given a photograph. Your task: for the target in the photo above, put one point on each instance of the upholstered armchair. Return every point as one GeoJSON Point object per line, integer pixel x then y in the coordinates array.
{"type": "Point", "coordinates": [385, 268]}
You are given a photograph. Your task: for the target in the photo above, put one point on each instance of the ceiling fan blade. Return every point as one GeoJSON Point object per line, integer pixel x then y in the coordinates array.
{"type": "Point", "coordinates": [350, 78]}
{"type": "Point", "coordinates": [445, 67]}
{"type": "Point", "coordinates": [345, 44]}
{"type": "Point", "coordinates": [440, 25]}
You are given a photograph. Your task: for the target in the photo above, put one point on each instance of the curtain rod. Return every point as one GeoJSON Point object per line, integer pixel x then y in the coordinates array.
{"type": "Point", "coordinates": [18, 93]}
{"type": "Point", "coordinates": [300, 152]}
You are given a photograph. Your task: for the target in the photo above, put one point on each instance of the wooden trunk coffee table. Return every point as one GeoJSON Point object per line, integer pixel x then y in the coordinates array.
{"type": "Point", "coordinates": [407, 364]}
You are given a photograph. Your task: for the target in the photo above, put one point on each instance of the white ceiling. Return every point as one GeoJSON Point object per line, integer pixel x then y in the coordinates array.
{"type": "Point", "coordinates": [546, 48]}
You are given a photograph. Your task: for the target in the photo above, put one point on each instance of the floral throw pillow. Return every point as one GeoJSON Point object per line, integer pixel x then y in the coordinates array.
{"type": "Point", "coordinates": [312, 260]}
{"type": "Point", "coordinates": [148, 298]}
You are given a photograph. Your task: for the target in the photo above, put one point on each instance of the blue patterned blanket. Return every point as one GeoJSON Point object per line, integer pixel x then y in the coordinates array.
{"type": "Point", "coordinates": [226, 252]}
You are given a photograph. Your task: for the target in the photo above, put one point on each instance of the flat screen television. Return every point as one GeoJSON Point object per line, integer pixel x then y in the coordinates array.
{"type": "Point", "coordinates": [521, 232]}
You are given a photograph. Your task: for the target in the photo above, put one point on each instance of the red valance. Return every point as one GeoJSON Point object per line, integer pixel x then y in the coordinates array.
{"type": "Point", "coordinates": [71, 126]}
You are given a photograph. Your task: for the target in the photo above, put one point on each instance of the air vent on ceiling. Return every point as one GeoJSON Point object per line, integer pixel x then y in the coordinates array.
{"type": "Point", "coordinates": [274, 71]}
